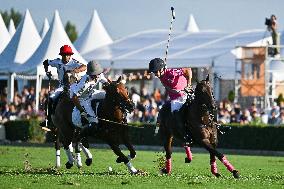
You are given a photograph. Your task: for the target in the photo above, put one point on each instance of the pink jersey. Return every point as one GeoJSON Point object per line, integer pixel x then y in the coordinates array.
{"type": "Point", "coordinates": [174, 79]}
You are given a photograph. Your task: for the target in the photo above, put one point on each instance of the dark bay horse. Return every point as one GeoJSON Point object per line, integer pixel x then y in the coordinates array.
{"type": "Point", "coordinates": [112, 124]}
{"type": "Point", "coordinates": [200, 121]}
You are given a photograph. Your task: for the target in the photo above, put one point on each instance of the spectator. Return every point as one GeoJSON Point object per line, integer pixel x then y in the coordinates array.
{"type": "Point", "coordinates": [273, 119]}
{"type": "Point", "coordinates": [280, 120]}
{"type": "Point", "coordinates": [245, 117]}
{"type": "Point", "coordinates": [255, 118]}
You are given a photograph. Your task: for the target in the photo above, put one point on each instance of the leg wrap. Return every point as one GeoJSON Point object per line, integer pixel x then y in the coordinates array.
{"type": "Point", "coordinates": [229, 166]}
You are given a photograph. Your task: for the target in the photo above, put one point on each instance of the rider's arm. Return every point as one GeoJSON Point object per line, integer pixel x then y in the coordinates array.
{"type": "Point", "coordinates": [77, 103]}
{"type": "Point", "coordinates": [102, 78]}
{"type": "Point", "coordinates": [79, 69]}
{"type": "Point", "coordinates": [188, 74]}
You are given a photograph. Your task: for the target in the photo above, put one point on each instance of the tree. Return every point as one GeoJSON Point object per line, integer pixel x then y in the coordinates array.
{"type": "Point", "coordinates": [231, 96]}
{"type": "Point", "coordinates": [279, 99]}
{"type": "Point", "coordinates": [14, 15]}
{"type": "Point", "coordinates": [71, 31]}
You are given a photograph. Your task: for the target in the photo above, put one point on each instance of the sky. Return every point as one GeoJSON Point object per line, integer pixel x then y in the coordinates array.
{"type": "Point", "coordinates": [125, 17]}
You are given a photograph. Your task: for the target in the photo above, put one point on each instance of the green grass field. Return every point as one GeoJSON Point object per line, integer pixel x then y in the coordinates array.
{"type": "Point", "coordinates": [33, 167]}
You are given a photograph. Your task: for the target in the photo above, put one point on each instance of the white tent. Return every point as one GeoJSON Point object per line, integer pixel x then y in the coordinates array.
{"type": "Point", "coordinates": [12, 28]}
{"type": "Point", "coordinates": [22, 45]}
{"type": "Point", "coordinates": [191, 25]}
{"type": "Point", "coordinates": [129, 44]}
{"type": "Point", "coordinates": [93, 36]}
{"type": "Point", "coordinates": [44, 28]}
{"type": "Point", "coordinates": [4, 35]}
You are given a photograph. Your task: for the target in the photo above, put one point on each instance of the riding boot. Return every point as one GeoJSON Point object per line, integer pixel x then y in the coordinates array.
{"type": "Point", "coordinates": [181, 127]}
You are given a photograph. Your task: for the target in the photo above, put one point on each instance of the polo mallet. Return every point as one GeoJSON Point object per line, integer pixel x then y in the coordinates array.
{"type": "Point", "coordinates": [47, 112]}
{"type": "Point", "coordinates": [170, 31]}
{"type": "Point", "coordinates": [167, 50]}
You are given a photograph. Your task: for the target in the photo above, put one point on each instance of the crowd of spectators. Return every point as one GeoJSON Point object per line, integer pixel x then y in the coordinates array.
{"type": "Point", "coordinates": [147, 106]}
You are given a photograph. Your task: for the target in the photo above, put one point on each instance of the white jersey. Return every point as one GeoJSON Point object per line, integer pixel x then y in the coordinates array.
{"type": "Point", "coordinates": [61, 67]}
{"type": "Point", "coordinates": [86, 87]}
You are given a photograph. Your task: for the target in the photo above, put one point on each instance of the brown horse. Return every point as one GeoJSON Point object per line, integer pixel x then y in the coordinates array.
{"type": "Point", "coordinates": [64, 131]}
{"type": "Point", "coordinates": [112, 127]}
{"type": "Point", "coordinates": [200, 121]}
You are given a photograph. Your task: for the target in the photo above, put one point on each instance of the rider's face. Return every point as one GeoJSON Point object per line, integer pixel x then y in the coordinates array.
{"type": "Point", "coordinates": [66, 58]}
{"type": "Point", "coordinates": [158, 73]}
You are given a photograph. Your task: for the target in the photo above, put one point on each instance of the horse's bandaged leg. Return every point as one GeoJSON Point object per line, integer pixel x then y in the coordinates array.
{"type": "Point", "coordinates": [87, 152]}
{"type": "Point", "coordinates": [188, 152]}
{"type": "Point", "coordinates": [213, 165]}
{"type": "Point", "coordinates": [57, 158]}
{"type": "Point", "coordinates": [69, 156]}
{"type": "Point", "coordinates": [79, 160]}
{"type": "Point", "coordinates": [169, 165]}
{"type": "Point", "coordinates": [229, 166]}
{"type": "Point", "coordinates": [71, 148]}
{"type": "Point", "coordinates": [131, 168]}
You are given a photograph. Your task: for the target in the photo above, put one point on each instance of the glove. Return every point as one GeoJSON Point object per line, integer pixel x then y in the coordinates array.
{"type": "Point", "coordinates": [45, 64]}
{"type": "Point", "coordinates": [49, 75]}
{"type": "Point", "coordinates": [189, 89]}
{"type": "Point", "coordinates": [84, 118]}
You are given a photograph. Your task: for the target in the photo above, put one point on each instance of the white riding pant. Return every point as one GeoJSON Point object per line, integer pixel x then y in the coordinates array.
{"type": "Point", "coordinates": [177, 103]}
{"type": "Point", "coordinates": [86, 104]}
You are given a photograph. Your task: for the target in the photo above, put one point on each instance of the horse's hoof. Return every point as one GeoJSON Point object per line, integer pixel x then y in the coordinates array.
{"type": "Point", "coordinates": [89, 161]}
{"type": "Point", "coordinates": [164, 171]}
{"type": "Point", "coordinates": [236, 174]}
{"type": "Point", "coordinates": [217, 175]}
{"type": "Point", "coordinates": [119, 160]}
{"type": "Point", "coordinates": [186, 160]}
{"type": "Point", "coordinates": [68, 165]}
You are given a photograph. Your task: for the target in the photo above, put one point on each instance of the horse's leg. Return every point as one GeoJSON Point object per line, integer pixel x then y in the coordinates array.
{"type": "Point", "coordinates": [57, 148]}
{"type": "Point", "coordinates": [129, 146]}
{"type": "Point", "coordinates": [85, 147]}
{"type": "Point", "coordinates": [122, 158]}
{"type": "Point", "coordinates": [221, 157]}
{"type": "Point", "coordinates": [188, 158]}
{"type": "Point", "coordinates": [213, 165]}
{"type": "Point", "coordinates": [168, 149]}
{"type": "Point", "coordinates": [69, 152]}
{"type": "Point", "coordinates": [77, 147]}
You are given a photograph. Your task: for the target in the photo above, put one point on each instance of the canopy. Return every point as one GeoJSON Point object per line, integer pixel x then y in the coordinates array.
{"type": "Point", "coordinates": [93, 36]}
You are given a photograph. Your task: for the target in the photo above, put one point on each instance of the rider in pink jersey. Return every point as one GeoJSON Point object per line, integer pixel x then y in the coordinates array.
{"type": "Point", "coordinates": [175, 80]}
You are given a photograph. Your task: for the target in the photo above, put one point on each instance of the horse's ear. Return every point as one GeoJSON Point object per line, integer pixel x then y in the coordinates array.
{"type": "Point", "coordinates": [196, 80]}
{"type": "Point", "coordinates": [118, 80]}
{"type": "Point", "coordinates": [207, 78]}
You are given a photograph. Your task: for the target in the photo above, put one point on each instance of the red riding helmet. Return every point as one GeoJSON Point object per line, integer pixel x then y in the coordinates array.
{"type": "Point", "coordinates": [66, 50]}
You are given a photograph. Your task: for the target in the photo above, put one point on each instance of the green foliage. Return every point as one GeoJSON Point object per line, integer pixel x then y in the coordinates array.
{"type": "Point", "coordinates": [231, 96]}
{"type": "Point", "coordinates": [71, 31]}
{"type": "Point", "coordinates": [36, 170]}
{"type": "Point", "coordinates": [16, 16]}
{"type": "Point", "coordinates": [25, 130]}
{"type": "Point", "coordinates": [279, 99]}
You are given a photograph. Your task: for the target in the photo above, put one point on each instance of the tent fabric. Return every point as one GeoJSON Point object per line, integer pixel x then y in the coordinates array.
{"type": "Point", "coordinates": [191, 25]}
{"type": "Point", "coordinates": [22, 45]}
{"type": "Point", "coordinates": [130, 44]}
{"type": "Point", "coordinates": [45, 28]}
{"type": "Point", "coordinates": [11, 28]}
{"type": "Point", "coordinates": [48, 49]}
{"type": "Point", "coordinates": [187, 49]}
{"type": "Point", "coordinates": [4, 35]}
{"type": "Point", "coordinates": [93, 36]}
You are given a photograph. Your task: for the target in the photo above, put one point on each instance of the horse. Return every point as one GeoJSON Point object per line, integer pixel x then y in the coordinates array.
{"type": "Point", "coordinates": [200, 122]}
{"type": "Point", "coordinates": [112, 124]}
{"type": "Point", "coordinates": [63, 129]}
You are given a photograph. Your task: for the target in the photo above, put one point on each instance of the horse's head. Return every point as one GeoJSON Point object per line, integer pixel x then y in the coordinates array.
{"type": "Point", "coordinates": [117, 91]}
{"type": "Point", "coordinates": [203, 93]}
{"type": "Point", "coordinates": [69, 78]}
